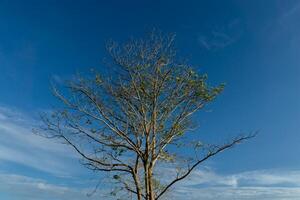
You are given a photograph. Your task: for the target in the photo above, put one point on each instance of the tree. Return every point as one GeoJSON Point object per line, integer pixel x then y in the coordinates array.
{"type": "Point", "coordinates": [139, 118]}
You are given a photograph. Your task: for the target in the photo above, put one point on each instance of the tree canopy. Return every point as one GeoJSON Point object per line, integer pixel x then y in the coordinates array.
{"type": "Point", "coordinates": [132, 122]}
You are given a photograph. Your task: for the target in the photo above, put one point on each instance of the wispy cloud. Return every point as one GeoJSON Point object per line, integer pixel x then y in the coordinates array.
{"type": "Point", "coordinates": [57, 79]}
{"type": "Point", "coordinates": [250, 178]}
{"type": "Point", "coordinates": [208, 185]}
{"type": "Point", "coordinates": [215, 40]}
{"type": "Point", "coordinates": [288, 9]}
{"type": "Point", "coordinates": [28, 188]}
{"type": "Point", "coordinates": [251, 185]}
{"type": "Point", "coordinates": [242, 193]}
{"type": "Point", "coordinates": [221, 37]}
{"type": "Point", "coordinates": [27, 52]}
{"type": "Point", "coordinates": [284, 25]}
{"type": "Point", "coordinates": [19, 145]}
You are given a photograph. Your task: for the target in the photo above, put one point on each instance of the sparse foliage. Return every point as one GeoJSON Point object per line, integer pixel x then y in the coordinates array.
{"type": "Point", "coordinates": [127, 124]}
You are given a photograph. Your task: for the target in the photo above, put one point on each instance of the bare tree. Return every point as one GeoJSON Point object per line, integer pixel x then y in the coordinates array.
{"type": "Point", "coordinates": [137, 119]}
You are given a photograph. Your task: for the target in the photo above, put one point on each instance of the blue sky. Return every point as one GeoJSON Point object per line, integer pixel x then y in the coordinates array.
{"type": "Point", "coordinates": [253, 46]}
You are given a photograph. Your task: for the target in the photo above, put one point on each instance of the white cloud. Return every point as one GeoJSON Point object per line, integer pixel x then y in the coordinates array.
{"type": "Point", "coordinates": [243, 193]}
{"type": "Point", "coordinates": [221, 37]}
{"type": "Point", "coordinates": [251, 185]}
{"type": "Point", "coordinates": [205, 183]}
{"type": "Point", "coordinates": [215, 40]}
{"type": "Point", "coordinates": [28, 188]}
{"type": "Point", "coordinates": [245, 179]}
{"type": "Point", "coordinates": [18, 144]}
{"type": "Point", "coordinates": [288, 9]}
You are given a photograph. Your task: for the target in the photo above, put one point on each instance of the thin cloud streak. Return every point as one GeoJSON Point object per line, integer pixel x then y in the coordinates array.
{"type": "Point", "coordinates": [292, 10]}
{"type": "Point", "coordinates": [243, 193]}
{"type": "Point", "coordinates": [28, 188]}
{"type": "Point", "coordinates": [221, 37]}
{"type": "Point", "coordinates": [18, 144]}
{"type": "Point", "coordinates": [251, 185]}
{"type": "Point", "coordinates": [245, 179]}
{"type": "Point", "coordinates": [268, 185]}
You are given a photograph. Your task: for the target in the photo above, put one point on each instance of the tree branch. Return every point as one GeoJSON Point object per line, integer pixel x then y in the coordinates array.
{"type": "Point", "coordinates": [213, 153]}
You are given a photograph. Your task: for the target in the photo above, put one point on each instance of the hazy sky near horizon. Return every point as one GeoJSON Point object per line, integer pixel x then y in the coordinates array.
{"type": "Point", "coordinates": [253, 46]}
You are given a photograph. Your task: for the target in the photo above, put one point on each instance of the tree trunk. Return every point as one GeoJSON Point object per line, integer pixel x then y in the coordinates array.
{"type": "Point", "coordinates": [137, 185]}
{"type": "Point", "coordinates": [146, 177]}
{"type": "Point", "coordinates": [149, 190]}
{"type": "Point", "coordinates": [150, 183]}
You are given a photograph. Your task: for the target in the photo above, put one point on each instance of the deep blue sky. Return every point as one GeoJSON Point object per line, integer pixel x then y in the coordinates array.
{"type": "Point", "coordinates": [252, 45]}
